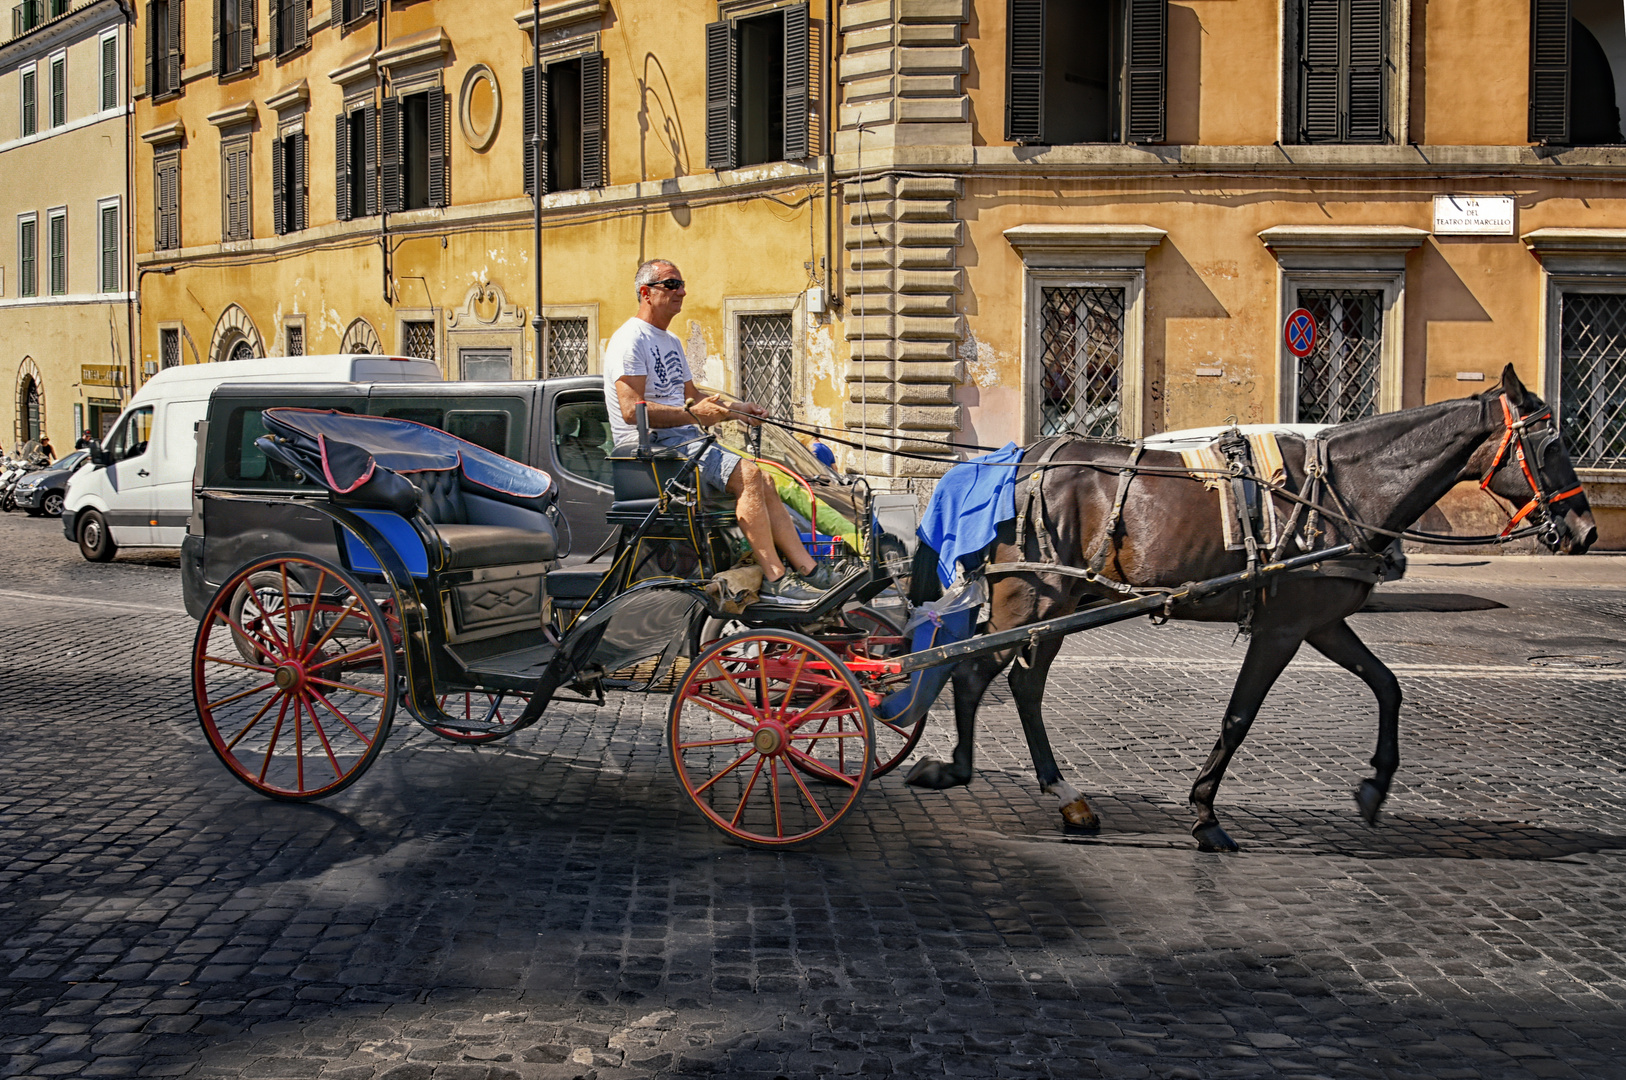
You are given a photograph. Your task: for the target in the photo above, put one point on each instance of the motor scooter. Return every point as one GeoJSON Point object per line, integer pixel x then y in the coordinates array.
{"type": "Point", "coordinates": [13, 470]}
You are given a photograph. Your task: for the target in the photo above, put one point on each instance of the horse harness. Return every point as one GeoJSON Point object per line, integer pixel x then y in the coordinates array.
{"type": "Point", "coordinates": [1516, 433]}
{"type": "Point", "coordinates": [1249, 502]}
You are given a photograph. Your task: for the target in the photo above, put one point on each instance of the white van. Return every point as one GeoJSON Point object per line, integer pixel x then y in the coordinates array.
{"type": "Point", "coordinates": [138, 490]}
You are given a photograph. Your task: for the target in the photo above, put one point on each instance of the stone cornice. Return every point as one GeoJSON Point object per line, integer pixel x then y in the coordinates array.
{"type": "Point", "coordinates": [52, 34]}
{"type": "Point", "coordinates": [1069, 245]}
{"type": "Point", "coordinates": [556, 15]}
{"type": "Point", "coordinates": [354, 68]}
{"type": "Point", "coordinates": [1578, 251]}
{"type": "Point", "coordinates": [234, 115]}
{"type": "Point", "coordinates": [164, 134]}
{"type": "Point", "coordinates": [1319, 247]}
{"type": "Point", "coordinates": [426, 46]}
{"type": "Point", "coordinates": [298, 94]}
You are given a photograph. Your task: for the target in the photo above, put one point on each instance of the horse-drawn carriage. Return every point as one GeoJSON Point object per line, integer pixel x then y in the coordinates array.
{"type": "Point", "coordinates": [447, 600]}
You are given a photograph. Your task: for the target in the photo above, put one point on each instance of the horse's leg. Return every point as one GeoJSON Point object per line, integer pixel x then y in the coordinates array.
{"type": "Point", "coordinates": [1268, 653]}
{"type": "Point", "coordinates": [1339, 644]}
{"type": "Point", "coordinates": [970, 679]}
{"type": "Point", "coordinates": [1027, 688]}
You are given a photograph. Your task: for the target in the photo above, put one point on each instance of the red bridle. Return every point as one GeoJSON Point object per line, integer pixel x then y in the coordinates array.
{"type": "Point", "coordinates": [1516, 427]}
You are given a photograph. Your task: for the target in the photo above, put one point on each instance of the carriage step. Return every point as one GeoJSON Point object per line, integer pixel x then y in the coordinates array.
{"type": "Point", "coordinates": [527, 661]}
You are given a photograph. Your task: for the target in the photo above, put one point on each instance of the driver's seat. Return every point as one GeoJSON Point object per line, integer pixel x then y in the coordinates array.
{"type": "Point", "coordinates": [638, 483]}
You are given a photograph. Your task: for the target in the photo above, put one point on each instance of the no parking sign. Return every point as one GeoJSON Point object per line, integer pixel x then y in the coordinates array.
{"type": "Point", "coordinates": [1300, 333]}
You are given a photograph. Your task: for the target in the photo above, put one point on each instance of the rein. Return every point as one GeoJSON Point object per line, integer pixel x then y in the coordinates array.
{"type": "Point", "coordinates": [1516, 433]}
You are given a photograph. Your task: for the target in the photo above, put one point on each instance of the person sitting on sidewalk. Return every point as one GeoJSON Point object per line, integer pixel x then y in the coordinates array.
{"type": "Point", "coordinates": [644, 363]}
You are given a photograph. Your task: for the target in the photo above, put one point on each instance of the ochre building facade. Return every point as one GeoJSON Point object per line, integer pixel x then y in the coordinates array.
{"type": "Point", "coordinates": [65, 323]}
{"type": "Point", "coordinates": [915, 219]}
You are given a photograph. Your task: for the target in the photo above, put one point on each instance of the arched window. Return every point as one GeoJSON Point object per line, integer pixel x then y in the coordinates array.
{"type": "Point", "coordinates": [28, 409]}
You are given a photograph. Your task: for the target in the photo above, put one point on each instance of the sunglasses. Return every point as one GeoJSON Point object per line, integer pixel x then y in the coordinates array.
{"type": "Point", "coordinates": [670, 284]}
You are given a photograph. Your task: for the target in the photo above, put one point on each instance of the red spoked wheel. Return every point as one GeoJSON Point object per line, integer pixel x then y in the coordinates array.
{"type": "Point", "coordinates": [894, 742]}
{"type": "Point", "coordinates": [757, 716]}
{"type": "Point", "coordinates": [490, 716]}
{"type": "Point", "coordinates": [294, 690]}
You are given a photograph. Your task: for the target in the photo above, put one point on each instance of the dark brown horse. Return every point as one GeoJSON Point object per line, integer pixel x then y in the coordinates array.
{"type": "Point", "coordinates": [1387, 470]}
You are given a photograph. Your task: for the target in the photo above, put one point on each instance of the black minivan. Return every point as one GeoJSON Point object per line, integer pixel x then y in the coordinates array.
{"type": "Point", "coordinates": [560, 426]}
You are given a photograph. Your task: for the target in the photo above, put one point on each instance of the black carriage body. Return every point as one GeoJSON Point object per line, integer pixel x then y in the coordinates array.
{"type": "Point", "coordinates": [559, 426]}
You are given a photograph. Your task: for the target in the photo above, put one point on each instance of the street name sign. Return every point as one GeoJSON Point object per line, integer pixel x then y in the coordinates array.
{"type": "Point", "coordinates": [1462, 215]}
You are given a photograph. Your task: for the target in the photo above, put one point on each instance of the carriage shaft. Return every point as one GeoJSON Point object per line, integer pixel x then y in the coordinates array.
{"type": "Point", "coordinates": [1105, 614]}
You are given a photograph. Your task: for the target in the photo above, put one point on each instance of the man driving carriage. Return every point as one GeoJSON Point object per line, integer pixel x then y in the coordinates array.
{"type": "Point", "coordinates": [645, 364]}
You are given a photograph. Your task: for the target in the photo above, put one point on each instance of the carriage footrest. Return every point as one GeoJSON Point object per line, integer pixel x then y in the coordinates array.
{"type": "Point", "coordinates": [525, 662]}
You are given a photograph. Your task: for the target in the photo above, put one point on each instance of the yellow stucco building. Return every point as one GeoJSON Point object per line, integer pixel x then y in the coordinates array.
{"type": "Point", "coordinates": [65, 327]}
{"type": "Point", "coordinates": [1038, 215]}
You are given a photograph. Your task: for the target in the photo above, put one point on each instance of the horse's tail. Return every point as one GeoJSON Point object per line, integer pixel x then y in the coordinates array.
{"type": "Point", "coordinates": [924, 585]}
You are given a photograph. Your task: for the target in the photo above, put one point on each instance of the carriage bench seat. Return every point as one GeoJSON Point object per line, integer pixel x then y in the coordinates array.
{"type": "Point", "coordinates": [481, 531]}
{"type": "Point", "coordinates": [638, 483]}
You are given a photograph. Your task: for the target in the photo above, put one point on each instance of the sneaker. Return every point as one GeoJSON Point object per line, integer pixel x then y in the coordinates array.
{"type": "Point", "coordinates": [827, 575]}
{"type": "Point", "coordinates": [793, 588]}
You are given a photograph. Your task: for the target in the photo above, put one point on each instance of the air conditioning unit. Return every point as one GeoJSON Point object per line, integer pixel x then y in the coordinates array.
{"type": "Point", "coordinates": [150, 368]}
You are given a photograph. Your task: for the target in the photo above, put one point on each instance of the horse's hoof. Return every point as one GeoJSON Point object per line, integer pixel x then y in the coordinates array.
{"type": "Point", "coordinates": [1369, 797]}
{"type": "Point", "coordinates": [933, 774]}
{"type": "Point", "coordinates": [1213, 838]}
{"type": "Point", "coordinates": [1077, 817]}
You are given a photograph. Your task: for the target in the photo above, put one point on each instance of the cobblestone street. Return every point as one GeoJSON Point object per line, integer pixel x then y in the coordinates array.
{"type": "Point", "coordinates": [552, 906]}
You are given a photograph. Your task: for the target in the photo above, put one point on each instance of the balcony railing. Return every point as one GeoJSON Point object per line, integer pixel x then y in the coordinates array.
{"type": "Point", "coordinates": [31, 13]}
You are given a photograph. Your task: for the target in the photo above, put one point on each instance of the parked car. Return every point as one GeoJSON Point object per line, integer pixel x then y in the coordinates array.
{"type": "Point", "coordinates": [41, 492]}
{"type": "Point", "coordinates": [136, 492]}
{"type": "Point", "coordinates": [560, 426]}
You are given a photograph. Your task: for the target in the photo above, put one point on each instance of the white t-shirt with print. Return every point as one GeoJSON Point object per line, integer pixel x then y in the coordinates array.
{"type": "Point", "coordinates": [639, 348]}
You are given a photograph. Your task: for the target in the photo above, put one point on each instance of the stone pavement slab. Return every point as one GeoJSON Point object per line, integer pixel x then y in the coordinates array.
{"type": "Point", "coordinates": [551, 907]}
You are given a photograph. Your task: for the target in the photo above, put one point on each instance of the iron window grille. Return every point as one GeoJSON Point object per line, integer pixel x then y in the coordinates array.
{"type": "Point", "coordinates": [767, 363]}
{"type": "Point", "coordinates": [1339, 381]}
{"type": "Point", "coordinates": [169, 348]}
{"type": "Point", "coordinates": [418, 340]}
{"type": "Point", "coordinates": [1081, 361]}
{"type": "Point", "coordinates": [1592, 379]}
{"type": "Point", "coordinates": [567, 347]}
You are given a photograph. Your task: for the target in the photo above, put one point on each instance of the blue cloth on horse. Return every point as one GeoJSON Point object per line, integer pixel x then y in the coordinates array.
{"type": "Point", "coordinates": [968, 506]}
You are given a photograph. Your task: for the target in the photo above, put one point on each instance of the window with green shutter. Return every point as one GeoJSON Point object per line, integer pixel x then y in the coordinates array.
{"type": "Point", "coordinates": [570, 97]}
{"type": "Point", "coordinates": [110, 72]}
{"type": "Point", "coordinates": [57, 233]}
{"type": "Point", "coordinates": [1086, 71]}
{"type": "Point", "coordinates": [109, 213]}
{"type": "Point", "coordinates": [29, 91]}
{"type": "Point", "coordinates": [59, 91]}
{"type": "Point", "coordinates": [28, 253]}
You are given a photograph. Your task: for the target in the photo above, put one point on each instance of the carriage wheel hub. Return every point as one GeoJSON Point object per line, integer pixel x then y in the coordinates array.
{"type": "Point", "coordinates": [289, 676]}
{"type": "Point", "coordinates": [771, 738]}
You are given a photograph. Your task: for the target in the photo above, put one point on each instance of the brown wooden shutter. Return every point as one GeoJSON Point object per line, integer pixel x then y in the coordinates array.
{"type": "Point", "coordinates": [301, 25]}
{"type": "Point", "coordinates": [301, 181]}
{"type": "Point", "coordinates": [368, 6]}
{"type": "Point", "coordinates": [1145, 92]}
{"type": "Point", "coordinates": [1550, 71]}
{"type": "Point", "coordinates": [439, 170]}
{"type": "Point", "coordinates": [246, 10]}
{"type": "Point", "coordinates": [797, 89]}
{"type": "Point", "coordinates": [721, 124]}
{"type": "Point", "coordinates": [528, 94]}
{"type": "Point", "coordinates": [390, 144]}
{"type": "Point", "coordinates": [302, 188]}
{"type": "Point", "coordinates": [1319, 80]}
{"type": "Point", "coordinates": [155, 35]}
{"type": "Point", "coordinates": [336, 14]}
{"type": "Point", "coordinates": [279, 211]}
{"type": "Point", "coordinates": [594, 118]}
{"type": "Point", "coordinates": [1366, 75]}
{"type": "Point", "coordinates": [368, 116]}
{"type": "Point", "coordinates": [177, 45]}
{"type": "Point", "coordinates": [341, 156]}
{"type": "Point", "coordinates": [1024, 71]}
{"type": "Point", "coordinates": [278, 46]}
{"type": "Point", "coordinates": [219, 60]}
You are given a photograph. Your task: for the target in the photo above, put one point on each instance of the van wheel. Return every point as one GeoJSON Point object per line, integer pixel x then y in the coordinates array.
{"type": "Point", "coordinates": [95, 542]}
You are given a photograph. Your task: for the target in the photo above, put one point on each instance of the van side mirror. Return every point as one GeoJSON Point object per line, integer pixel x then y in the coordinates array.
{"type": "Point", "coordinates": [98, 456]}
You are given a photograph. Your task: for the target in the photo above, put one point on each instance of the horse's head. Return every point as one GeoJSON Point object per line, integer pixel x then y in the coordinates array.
{"type": "Point", "coordinates": [1525, 462]}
